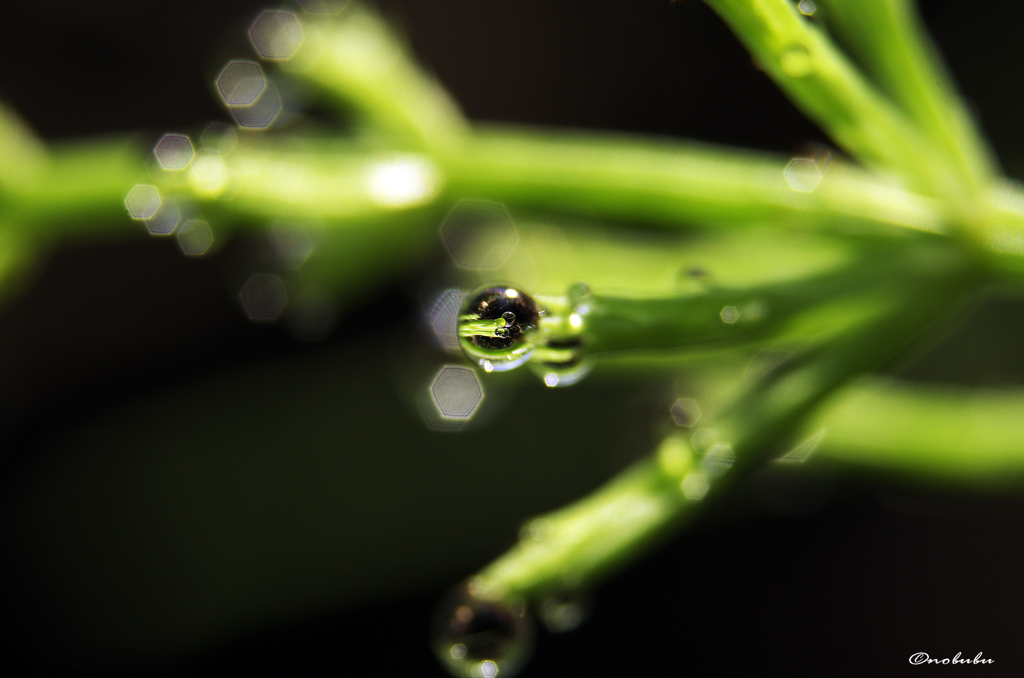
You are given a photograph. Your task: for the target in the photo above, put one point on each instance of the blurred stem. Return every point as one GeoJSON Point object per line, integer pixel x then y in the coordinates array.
{"type": "Point", "coordinates": [938, 432]}
{"type": "Point", "coordinates": [628, 178]}
{"type": "Point", "coordinates": [886, 38]}
{"type": "Point", "coordinates": [359, 63]}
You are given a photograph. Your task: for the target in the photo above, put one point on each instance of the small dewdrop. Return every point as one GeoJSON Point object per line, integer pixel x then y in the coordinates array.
{"type": "Point", "coordinates": [551, 380]}
{"type": "Point", "coordinates": [807, 7]}
{"type": "Point", "coordinates": [403, 182]}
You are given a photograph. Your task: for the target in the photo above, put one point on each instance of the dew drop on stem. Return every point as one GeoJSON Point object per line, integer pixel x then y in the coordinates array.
{"type": "Point", "coordinates": [494, 327]}
{"type": "Point", "coordinates": [475, 638]}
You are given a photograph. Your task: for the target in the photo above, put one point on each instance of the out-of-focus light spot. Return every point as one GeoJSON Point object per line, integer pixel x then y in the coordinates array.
{"type": "Point", "coordinates": [675, 457]}
{"type": "Point", "coordinates": [486, 669]}
{"type": "Point", "coordinates": [479, 234]}
{"type": "Point", "coordinates": [685, 412]}
{"type": "Point", "coordinates": [730, 314]}
{"type": "Point", "coordinates": [263, 297]}
{"type": "Point", "coordinates": [718, 460]}
{"type": "Point", "coordinates": [208, 175]}
{"type": "Point", "coordinates": [803, 174]}
{"type": "Point", "coordinates": [173, 151]}
{"type": "Point", "coordinates": [195, 237]}
{"type": "Point", "coordinates": [312, 314]}
{"type": "Point", "coordinates": [219, 138]}
{"type": "Point", "coordinates": [568, 376]}
{"type": "Point", "coordinates": [456, 392]}
{"type": "Point", "coordinates": [165, 220]}
{"type": "Point", "coordinates": [695, 486]}
{"type": "Point", "coordinates": [807, 7]}
{"type": "Point", "coordinates": [402, 182]}
{"type": "Point", "coordinates": [261, 113]}
{"type": "Point", "coordinates": [276, 34]}
{"type": "Point", "coordinates": [755, 311]}
{"type": "Point", "coordinates": [561, 614]}
{"type": "Point", "coordinates": [458, 651]}
{"type": "Point", "coordinates": [324, 6]}
{"type": "Point", "coordinates": [796, 62]}
{"type": "Point", "coordinates": [443, 317]}
{"type": "Point", "coordinates": [241, 83]}
{"type": "Point", "coordinates": [142, 201]}
{"type": "Point", "coordinates": [291, 243]}
{"type": "Point", "coordinates": [576, 321]}
{"type": "Point", "coordinates": [704, 439]}
{"type": "Point", "coordinates": [802, 451]}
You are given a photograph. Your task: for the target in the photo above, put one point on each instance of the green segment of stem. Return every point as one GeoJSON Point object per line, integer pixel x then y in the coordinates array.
{"type": "Point", "coordinates": [886, 38]}
{"type": "Point", "coordinates": [577, 546]}
{"type": "Point", "coordinates": [938, 432]}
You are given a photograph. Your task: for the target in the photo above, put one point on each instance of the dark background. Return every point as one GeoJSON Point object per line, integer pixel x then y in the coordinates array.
{"type": "Point", "coordinates": [846, 586]}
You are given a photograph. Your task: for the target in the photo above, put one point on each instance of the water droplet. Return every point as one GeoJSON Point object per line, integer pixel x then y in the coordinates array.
{"type": "Point", "coordinates": [564, 375]}
{"type": "Point", "coordinates": [563, 612]}
{"type": "Point", "coordinates": [796, 62]}
{"type": "Point", "coordinates": [495, 327]}
{"type": "Point", "coordinates": [477, 638]}
{"type": "Point", "coordinates": [578, 293]}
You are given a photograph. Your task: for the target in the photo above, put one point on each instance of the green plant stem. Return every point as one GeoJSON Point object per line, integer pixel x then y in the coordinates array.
{"type": "Point", "coordinates": [822, 82]}
{"type": "Point", "coordinates": [945, 433]}
{"type": "Point", "coordinates": [672, 183]}
{"type": "Point", "coordinates": [582, 543]}
{"type": "Point", "coordinates": [886, 38]}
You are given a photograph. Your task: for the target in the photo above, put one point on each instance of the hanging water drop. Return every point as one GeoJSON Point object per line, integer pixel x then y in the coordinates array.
{"type": "Point", "coordinates": [477, 638]}
{"type": "Point", "coordinates": [495, 327]}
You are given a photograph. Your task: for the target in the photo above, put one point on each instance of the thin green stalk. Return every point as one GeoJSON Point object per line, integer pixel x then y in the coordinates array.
{"type": "Point", "coordinates": [672, 183]}
{"type": "Point", "coordinates": [939, 432]}
{"type": "Point", "coordinates": [886, 38]}
{"type": "Point", "coordinates": [582, 543]}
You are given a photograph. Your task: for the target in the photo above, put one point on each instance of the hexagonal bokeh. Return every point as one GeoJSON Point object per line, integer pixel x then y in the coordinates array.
{"type": "Point", "coordinates": [142, 201]}
{"type": "Point", "coordinates": [261, 113]}
{"type": "Point", "coordinates": [275, 34]}
{"type": "Point", "coordinates": [443, 317]}
{"type": "Point", "coordinates": [263, 297]}
{"type": "Point", "coordinates": [241, 83]}
{"type": "Point", "coordinates": [195, 237]}
{"type": "Point", "coordinates": [456, 392]}
{"type": "Point", "coordinates": [219, 138]}
{"type": "Point", "coordinates": [173, 151]}
{"type": "Point", "coordinates": [479, 234]}
{"type": "Point", "coordinates": [803, 174]}
{"type": "Point", "coordinates": [685, 412]}
{"type": "Point", "coordinates": [291, 244]}
{"type": "Point", "coordinates": [165, 220]}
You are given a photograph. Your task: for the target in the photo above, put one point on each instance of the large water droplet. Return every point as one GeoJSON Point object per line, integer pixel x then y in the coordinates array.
{"type": "Point", "coordinates": [495, 325]}
{"type": "Point", "coordinates": [477, 638]}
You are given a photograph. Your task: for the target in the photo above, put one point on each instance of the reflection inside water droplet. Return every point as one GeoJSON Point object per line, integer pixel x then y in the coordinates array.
{"type": "Point", "coordinates": [494, 327]}
{"type": "Point", "coordinates": [481, 639]}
